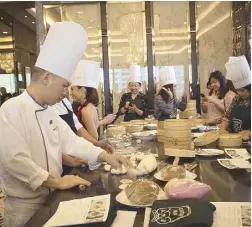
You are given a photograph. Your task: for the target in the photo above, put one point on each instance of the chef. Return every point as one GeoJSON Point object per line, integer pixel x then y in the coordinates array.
{"type": "Point", "coordinates": [134, 104]}
{"type": "Point", "coordinates": [34, 137]}
{"type": "Point", "coordinates": [237, 118]}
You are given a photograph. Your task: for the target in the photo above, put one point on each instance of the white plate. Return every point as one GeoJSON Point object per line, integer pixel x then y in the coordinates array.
{"type": "Point", "coordinates": [209, 152]}
{"type": "Point", "coordinates": [189, 175]}
{"type": "Point", "coordinates": [197, 134]}
{"type": "Point", "coordinates": [151, 126]}
{"type": "Point", "coordinates": [145, 135]}
{"type": "Point", "coordinates": [122, 198]}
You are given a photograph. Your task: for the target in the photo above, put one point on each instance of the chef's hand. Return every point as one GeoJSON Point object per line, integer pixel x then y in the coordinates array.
{"type": "Point", "coordinates": [70, 181]}
{"type": "Point", "coordinates": [105, 145]}
{"type": "Point", "coordinates": [245, 134]}
{"type": "Point", "coordinates": [115, 160]}
{"type": "Point", "coordinates": [108, 119]}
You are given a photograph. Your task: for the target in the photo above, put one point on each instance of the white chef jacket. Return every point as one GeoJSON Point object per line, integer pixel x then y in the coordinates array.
{"type": "Point", "coordinates": [33, 139]}
{"type": "Point", "coordinates": [60, 109]}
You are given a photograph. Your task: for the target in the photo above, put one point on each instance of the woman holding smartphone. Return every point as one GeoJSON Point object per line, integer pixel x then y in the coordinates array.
{"type": "Point", "coordinates": [166, 102]}
{"type": "Point", "coordinates": [133, 104]}
{"type": "Point", "coordinates": [218, 100]}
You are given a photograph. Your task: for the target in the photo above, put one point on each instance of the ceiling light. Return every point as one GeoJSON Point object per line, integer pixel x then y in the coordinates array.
{"type": "Point", "coordinates": [33, 22]}
{"type": "Point", "coordinates": [25, 16]}
{"type": "Point", "coordinates": [198, 6]}
{"type": "Point", "coordinates": [1, 18]}
{"type": "Point", "coordinates": [5, 32]}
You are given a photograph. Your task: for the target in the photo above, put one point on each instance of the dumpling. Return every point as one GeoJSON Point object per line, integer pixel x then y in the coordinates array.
{"type": "Point", "coordinates": [171, 172]}
{"type": "Point", "coordinates": [142, 192]}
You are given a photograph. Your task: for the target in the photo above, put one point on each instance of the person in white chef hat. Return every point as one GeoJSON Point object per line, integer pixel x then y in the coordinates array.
{"type": "Point", "coordinates": [84, 86]}
{"type": "Point", "coordinates": [34, 137]}
{"type": "Point", "coordinates": [134, 104]}
{"type": "Point", "coordinates": [237, 118]}
{"type": "Point", "coordinates": [166, 102]}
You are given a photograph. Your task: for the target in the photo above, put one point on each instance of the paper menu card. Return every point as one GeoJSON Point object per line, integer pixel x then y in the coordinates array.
{"type": "Point", "coordinates": [237, 153]}
{"type": "Point", "coordinates": [235, 163]}
{"type": "Point", "coordinates": [81, 211]}
{"type": "Point", "coordinates": [232, 214]}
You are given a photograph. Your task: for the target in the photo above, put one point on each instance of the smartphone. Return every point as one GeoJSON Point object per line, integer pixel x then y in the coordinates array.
{"type": "Point", "coordinates": [202, 95]}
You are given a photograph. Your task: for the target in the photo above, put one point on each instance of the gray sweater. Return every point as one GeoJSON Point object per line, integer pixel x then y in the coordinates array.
{"type": "Point", "coordinates": [163, 110]}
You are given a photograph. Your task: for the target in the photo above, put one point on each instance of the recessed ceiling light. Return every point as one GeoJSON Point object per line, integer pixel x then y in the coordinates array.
{"type": "Point", "coordinates": [198, 6]}
{"type": "Point", "coordinates": [5, 32]}
{"type": "Point", "coordinates": [25, 16]}
{"type": "Point", "coordinates": [1, 18]}
{"type": "Point", "coordinates": [33, 22]}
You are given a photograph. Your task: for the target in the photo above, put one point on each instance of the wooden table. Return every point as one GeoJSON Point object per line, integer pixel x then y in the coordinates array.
{"type": "Point", "coordinates": [227, 186]}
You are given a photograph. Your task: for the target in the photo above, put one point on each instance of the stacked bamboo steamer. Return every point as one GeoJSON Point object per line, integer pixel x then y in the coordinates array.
{"type": "Point", "coordinates": [160, 131]}
{"type": "Point", "coordinates": [230, 140]}
{"type": "Point", "coordinates": [190, 110]}
{"type": "Point", "coordinates": [177, 134]}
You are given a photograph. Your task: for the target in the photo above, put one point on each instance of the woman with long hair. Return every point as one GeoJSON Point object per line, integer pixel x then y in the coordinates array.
{"type": "Point", "coordinates": [238, 116]}
{"type": "Point", "coordinates": [84, 90]}
{"type": "Point", "coordinates": [166, 102]}
{"type": "Point", "coordinates": [218, 100]}
{"type": "Point", "coordinates": [134, 104]}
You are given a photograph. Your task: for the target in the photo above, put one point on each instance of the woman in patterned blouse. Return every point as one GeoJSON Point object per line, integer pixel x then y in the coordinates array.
{"type": "Point", "coordinates": [238, 117]}
{"type": "Point", "coordinates": [133, 104]}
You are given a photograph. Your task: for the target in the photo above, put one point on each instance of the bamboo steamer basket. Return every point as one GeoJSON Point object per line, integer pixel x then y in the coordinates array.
{"type": "Point", "coordinates": [230, 140]}
{"type": "Point", "coordinates": [177, 124]}
{"type": "Point", "coordinates": [125, 124]}
{"type": "Point", "coordinates": [115, 130]}
{"type": "Point", "coordinates": [138, 122]}
{"type": "Point", "coordinates": [160, 125]}
{"type": "Point", "coordinates": [207, 139]}
{"type": "Point", "coordinates": [160, 138]}
{"type": "Point", "coordinates": [177, 133]}
{"type": "Point", "coordinates": [190, 113]}
{"type": "Point", "coordinates": [160, 132]}
{"type": "Point", "coordinates": [134, 128]}
{"type": "Point", "coordinates": [178, 146]}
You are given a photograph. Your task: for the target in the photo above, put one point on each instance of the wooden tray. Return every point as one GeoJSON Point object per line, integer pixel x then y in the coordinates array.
{"type": "Point", "coordinates": [180, 152]}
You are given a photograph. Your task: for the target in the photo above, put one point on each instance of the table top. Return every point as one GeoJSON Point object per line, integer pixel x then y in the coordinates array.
{"type": "Point", "coordinates": [227, 186]}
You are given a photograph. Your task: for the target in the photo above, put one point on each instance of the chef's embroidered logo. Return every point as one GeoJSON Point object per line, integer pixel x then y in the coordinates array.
{"type": "Point", "coordinates": [54, 127]}
{"type": "Point", "coordinates": [170, 214]}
